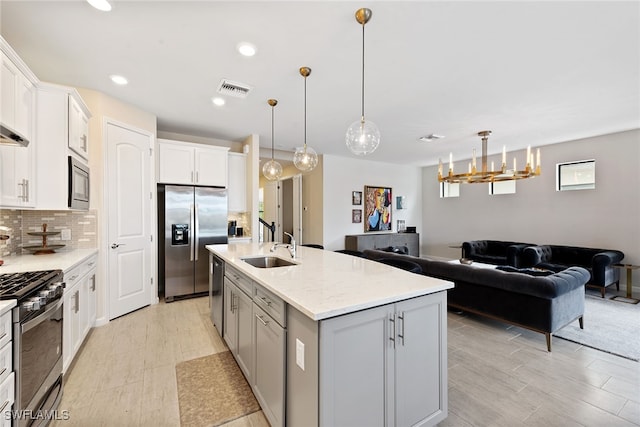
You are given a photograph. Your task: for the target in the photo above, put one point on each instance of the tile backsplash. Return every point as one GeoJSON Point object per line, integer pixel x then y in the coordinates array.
{"type": "Point", "coordinates": [81, 225]}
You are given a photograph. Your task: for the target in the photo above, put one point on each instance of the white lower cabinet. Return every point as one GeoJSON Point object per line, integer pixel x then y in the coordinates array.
{"type": "Point", "coordinates": [7, 397]}
{"type": "Point", "coordinates": [7, 377]}
{"type": "Point", "coordinates": [79, 308]}
{"type": "Point", "coordinates": [385, 365]}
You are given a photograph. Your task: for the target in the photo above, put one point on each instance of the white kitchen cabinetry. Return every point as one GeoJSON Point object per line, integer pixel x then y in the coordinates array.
{"type": "Point", "coordinates": [17, 112]}
{"type": "Point", "coordinates": [60, 109]}
{"type": "Point", "coordinates": [78, 127]}
{"type": "Point", "coordinates": [191, 164]}
{"type": "Point", "coordinates": [7, 377]}
{"type": "Point", "coordinates": [237, 188]}
{"type": "Point", "coordinates": [79, 307]}
{"type": "Point", "coordinates": [396, 374]}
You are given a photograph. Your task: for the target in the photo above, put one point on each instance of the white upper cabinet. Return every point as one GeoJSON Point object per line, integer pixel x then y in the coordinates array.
{"type": "Point", "coordinates": [59, 109]}
{"type": "Point", "coordinates": [194, 164]}
{"type": "Point", "coordinates": [18, 99]}
{"type": "Point", "coordinates": [237, 188]}
{"type": "Point", "coordinates": [17, 113]}
{"type": "Point", "coordinates": [78, 128]}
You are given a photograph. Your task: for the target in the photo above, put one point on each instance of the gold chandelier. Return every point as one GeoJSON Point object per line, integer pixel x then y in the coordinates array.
{"type": "Point", "coordinates": [532, 168]}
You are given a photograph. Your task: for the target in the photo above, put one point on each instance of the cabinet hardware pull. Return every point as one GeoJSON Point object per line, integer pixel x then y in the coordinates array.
{"type": "Point", "coordinates": [265, 323]}
{"type": "Point", "coordinates": [74, 277]}
{"type": "Point", "coordinates": [4, 334]}
{"type": "Point", "coordinates": [4, 405]}
{"type": "Point", "coordinates": [401, 334]}
{"type": "Point", "coordinates": [197, 177]}
{"type": "Point", "coordinates": [77, 301]}
{"type": "Point", "coordinates": [26, 186]}
{"type": "Point", "coordinates": [3, 370]}
{"type": "Point", "coordinates": [392, 335]}
{"type": "Point", "coordinates": [266, 301]}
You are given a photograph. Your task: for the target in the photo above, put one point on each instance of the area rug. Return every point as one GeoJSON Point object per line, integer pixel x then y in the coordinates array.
{"type": "Point", "coordinates": [609, 326]}
{"type": "Point", "coordinates": [212, 391]}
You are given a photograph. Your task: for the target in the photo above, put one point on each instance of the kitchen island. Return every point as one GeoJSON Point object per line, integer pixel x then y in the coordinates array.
{"type": "Point", "coordinates": [351, 341]}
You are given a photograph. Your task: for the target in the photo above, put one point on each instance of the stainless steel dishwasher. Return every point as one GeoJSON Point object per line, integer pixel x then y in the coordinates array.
{"type": "Point", "coordinates": [216, 279]}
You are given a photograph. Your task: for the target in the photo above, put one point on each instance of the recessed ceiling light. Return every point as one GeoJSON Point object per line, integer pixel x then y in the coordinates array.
{"type": "Point", "coordinates": [430, 138]}
{"type": "Point", "coordinates": [102, 5]}
{"type": "Point", "coordinates": [119, 80]}
{"type": "Point", "coordinates": [247, 49]}
{"type": "Point", "coordinates": [218, 101]}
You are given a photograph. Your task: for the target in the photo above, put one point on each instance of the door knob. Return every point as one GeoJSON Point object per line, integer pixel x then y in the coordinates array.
{"type": "Point", "coordinates": [115, 245]}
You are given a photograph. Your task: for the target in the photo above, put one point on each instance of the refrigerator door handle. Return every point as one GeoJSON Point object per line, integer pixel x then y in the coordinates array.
{"type": "Point", "coordinates": [196, 232]}
{"type": "Point", "coordinates": [191, 220]}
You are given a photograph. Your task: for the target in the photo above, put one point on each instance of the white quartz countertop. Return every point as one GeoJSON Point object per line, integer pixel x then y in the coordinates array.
{"type": "Point", "coordinates": [326, 284]}
{"type": "Point", "coordinates": [63, 260]}
{"type": "Point", "coordinates": [6, 305]}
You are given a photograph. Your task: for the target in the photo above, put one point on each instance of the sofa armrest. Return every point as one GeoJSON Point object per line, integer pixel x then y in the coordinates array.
{"type": "Point", "coordinates": [532, 256]}
{"type": "Point", "coordinates": [514, 254]}
{"type": "Point", "coordinates": [473, 247]}
{"type": "Point", "coordinates": [601, 262]}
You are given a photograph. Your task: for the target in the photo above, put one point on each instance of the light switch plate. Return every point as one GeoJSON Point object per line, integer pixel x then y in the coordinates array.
{"type": "Point", "coordinates": [65, 234]}
{"type": "Point", "coordinates": [300, 354]}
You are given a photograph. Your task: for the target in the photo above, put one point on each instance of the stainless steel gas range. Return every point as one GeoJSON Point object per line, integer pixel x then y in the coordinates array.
{"type": "Point", "coordinates": [37, 343]}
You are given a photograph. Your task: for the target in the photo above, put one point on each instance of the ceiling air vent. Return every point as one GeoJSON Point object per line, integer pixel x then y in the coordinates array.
{"type": "Point", "coordinates": [231, 88]}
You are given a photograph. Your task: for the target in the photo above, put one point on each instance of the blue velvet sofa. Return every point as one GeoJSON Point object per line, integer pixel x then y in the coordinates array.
{"type": "Point", "coordinates": [497, 252]}
{"type": "Point", "coordinates": [599, 262]}
{"type": "Point", "coordinates": [543, 304]}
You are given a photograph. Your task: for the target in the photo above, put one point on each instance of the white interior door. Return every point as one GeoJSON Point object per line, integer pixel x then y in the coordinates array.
{"type": "Point", "coordinates": [129, 220]}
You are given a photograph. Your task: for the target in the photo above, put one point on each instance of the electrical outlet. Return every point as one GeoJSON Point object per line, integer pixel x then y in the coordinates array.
{"type": "Point", "coordinates": [65, 234]}
{"type": "Point", "coordinates": [300, 354]}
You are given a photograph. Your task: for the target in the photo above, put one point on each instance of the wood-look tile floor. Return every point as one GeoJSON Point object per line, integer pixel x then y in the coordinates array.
{"type": "Point", "coordinates": [499, 375]}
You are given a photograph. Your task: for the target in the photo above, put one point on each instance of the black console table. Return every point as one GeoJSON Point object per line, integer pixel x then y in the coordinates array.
{"type": "Point", "coordinates": [360, 242]}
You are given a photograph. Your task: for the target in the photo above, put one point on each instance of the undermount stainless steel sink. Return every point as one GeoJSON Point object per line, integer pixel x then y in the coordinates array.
{"type": "Point", "coordinates": [268, 262]}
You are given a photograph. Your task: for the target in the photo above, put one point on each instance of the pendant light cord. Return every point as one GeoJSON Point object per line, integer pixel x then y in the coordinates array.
{"type": "Point", "coordinates": [305, 113]}
{"type": "Point", "coordinates": [272, 133]}
{"type": "Point", "coordinates": [363, 71]}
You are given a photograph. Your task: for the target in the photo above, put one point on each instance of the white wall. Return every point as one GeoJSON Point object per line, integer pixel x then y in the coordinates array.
{"type": "Point", "coordinates": [607, 217]}
{"type": "Point", "coordinates": [342, 175]}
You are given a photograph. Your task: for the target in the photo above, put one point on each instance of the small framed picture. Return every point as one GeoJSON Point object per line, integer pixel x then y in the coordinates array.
{"type": "Point", "coordinates": [356, 216]}
{"type": "Point", "coordinates": [356, 198]}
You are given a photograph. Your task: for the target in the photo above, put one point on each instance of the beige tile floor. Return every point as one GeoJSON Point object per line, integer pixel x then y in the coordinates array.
{"type": "Point", "coordinates": [498, 375]}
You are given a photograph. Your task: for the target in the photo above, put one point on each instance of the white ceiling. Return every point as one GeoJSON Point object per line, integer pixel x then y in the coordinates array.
{"type": "Point", "coordinates": [532, 72]}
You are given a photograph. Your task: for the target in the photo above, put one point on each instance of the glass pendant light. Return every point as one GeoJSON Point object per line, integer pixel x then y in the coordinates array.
{"type": "Point", "coordinates": [272, 170]}
{"type": "Point", "coordinates": [363, 136]}
{"type": "Point", "coordinates": [305, 158]}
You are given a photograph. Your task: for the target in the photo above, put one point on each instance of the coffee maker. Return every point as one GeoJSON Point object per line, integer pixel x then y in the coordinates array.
{"type": "Point", "coordinates": [231, 230]}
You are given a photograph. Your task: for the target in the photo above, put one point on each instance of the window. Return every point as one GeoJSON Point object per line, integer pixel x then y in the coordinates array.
{"type": "Point", "coordinates": [580, 175]}
{"type": "Point", "coordinates": [449, 190]}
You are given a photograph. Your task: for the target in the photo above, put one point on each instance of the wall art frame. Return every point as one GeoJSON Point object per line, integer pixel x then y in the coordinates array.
{"type": "Point", "coordinates": [378, 202]}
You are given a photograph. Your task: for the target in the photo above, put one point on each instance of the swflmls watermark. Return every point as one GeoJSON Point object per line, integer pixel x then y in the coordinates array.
{"type": "Point", "coordinates": [44, 414]}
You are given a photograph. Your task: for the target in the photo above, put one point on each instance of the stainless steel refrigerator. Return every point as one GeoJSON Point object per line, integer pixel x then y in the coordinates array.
{"type": "Point", "coordinates": [188, 219]}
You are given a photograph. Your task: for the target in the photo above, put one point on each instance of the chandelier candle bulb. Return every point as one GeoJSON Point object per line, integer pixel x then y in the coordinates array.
{"type": "Point", "coordinates": [515, 168]}
{"type": "Point", "coordinates": [528, 154]}
{"type": "Point", "coordinates": [492, 168]}
{"type": "Point", "coordinates": [440, 167]}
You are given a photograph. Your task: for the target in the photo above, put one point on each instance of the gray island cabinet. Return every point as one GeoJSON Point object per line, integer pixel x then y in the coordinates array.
{"type": "Point", "coordinates": [337, 340]}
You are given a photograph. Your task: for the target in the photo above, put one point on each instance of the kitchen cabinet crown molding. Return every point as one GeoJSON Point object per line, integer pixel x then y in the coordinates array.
{"type": "Point", "coordinates": [69, 90]}
{"type": "Point", "coordinates": [18, 62]}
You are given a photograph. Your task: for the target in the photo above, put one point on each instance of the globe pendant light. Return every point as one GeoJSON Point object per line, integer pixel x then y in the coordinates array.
{"type": "Point", "coordinates": [363, 136]}
{"type": "Point", "coordinates": [305, 158]}
{"type": "Point", "coordinates": [272, 170]}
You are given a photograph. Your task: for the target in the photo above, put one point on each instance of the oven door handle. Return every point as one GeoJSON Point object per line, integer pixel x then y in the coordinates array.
{"type": "Point", "coordinates": [40, 318]}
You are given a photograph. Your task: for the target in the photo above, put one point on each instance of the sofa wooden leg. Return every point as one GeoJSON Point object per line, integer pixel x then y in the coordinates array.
{"type": "Point", "coordinates": [548, 335]}
{"type": "Point", "coordinates": [618, 285]}
{"type": "Point", "coordinates": [602, 291]}
{"type": "Point", "coordinates": [581, 321]}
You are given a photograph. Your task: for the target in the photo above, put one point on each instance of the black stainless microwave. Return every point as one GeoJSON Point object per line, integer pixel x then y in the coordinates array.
{"type": "Point", "coordinates": [78, 184]}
